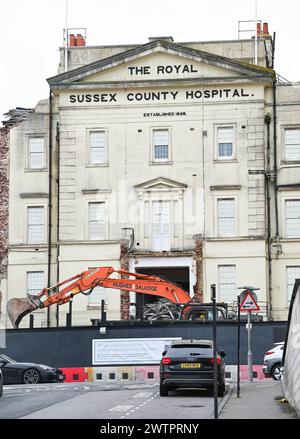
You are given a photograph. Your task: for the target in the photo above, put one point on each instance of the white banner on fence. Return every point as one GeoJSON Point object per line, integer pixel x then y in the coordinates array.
{"type": "Point", "coordinates": [117, 351]}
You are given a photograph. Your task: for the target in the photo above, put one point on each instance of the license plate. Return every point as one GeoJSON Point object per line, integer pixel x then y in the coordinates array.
{"type": "Point", "coordinates": [190, 365]}
{"type": "Point", "coordinates": [60, 377]}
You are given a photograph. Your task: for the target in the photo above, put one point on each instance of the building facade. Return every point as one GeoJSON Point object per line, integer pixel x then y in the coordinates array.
{"type": "Point", "coordinates": [178, 159]}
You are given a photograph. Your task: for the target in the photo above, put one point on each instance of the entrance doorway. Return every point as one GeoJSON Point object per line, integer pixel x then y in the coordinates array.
{"type": "Point", "coordinates": [177, 275]}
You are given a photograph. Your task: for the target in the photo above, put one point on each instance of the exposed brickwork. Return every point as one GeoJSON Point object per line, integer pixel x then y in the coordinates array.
{"type": "Point", "coordinates": [125, 295]}
{"type": "Point", "coordinates": [4, 192]}
{"type": "Point", "coordinates": [198, 257]}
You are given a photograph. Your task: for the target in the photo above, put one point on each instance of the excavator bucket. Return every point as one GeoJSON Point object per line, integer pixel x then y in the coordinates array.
{"type": "Point", "coordinates": [19, 308]}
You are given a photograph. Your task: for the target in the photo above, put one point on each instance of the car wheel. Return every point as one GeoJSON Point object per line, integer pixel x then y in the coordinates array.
{"type": "Point", "coordinates": [163, 390]}
{"type": "Point", "coordinates": [31, 376]}
{"type": "Point", "coordinates": [221, 390]}
{"type": "Point", "coordinates": [276, 372]}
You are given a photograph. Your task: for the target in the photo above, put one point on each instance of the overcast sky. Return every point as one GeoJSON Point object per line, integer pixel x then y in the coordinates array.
{"type": "Point", "coordinates": [32, 32]}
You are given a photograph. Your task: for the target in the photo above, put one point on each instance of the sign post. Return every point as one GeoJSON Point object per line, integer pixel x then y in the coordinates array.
{"type": "Point", "coordinates": [248, 305]}
{"type": "Point", "coordinates": [249, 354]}
{"type": "Point", "coordinates": [213, 299]}
{"type": "Point", "coordinates": [238, 348]}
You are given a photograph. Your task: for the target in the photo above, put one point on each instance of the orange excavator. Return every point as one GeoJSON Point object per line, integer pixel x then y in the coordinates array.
{"type": "Point", "coordinates": [86, 281]}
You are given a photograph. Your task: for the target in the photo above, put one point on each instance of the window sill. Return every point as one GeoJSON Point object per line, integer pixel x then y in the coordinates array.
{"type": "Point", "coordinates": [290, 239]}
{"type": "Point", "coordinates": [223, 238]}
{"type": "Point", "coordinates": [99, 165]}
{"type": "Point", "coordinates": [225, 161]}
{"type": "Point", "coordinates": [290, 162]}
{"type": "Point", "coordinates": [36, 170]}
{"type": "Point", "coordinates": [161, 163]}
{"type": "Point", "coordinates": [35, 244]}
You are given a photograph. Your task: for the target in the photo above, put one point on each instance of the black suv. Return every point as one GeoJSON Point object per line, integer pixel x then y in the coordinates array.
{"type": "Point", "coordinates": [190, 364]}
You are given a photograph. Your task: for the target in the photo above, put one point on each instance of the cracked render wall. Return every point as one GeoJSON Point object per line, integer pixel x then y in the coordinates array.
{"type": "Point", "coordinates": [4, 192]}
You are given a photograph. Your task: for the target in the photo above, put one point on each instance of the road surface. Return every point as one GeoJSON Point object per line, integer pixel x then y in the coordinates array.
{"type": "Point", "coordinates": [100, 401]}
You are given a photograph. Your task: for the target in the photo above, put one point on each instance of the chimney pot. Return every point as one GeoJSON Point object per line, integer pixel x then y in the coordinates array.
{"type": "Point", "coordinates": [258, 27]}
{"type": "Point", "coordinates": [72, 40]}
{"type": "Point", "coordinates": [80, 40]}
{"type": "Point", "coordinates": [265, 29]}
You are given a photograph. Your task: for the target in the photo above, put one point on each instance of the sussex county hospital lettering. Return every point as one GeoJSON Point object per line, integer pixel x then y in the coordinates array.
{"type": "Point", "coordinates": [190, 95]}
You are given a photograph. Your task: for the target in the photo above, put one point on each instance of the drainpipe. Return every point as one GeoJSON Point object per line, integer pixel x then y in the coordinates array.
{"type": "Point", "coordinates": [275, 143]}
{"type": "Point", "coordinates": [57, 214]}
{"type": "Point", "coordinates": [50, 202]}
{"type": "Point", "coordinates": [274, 177]}
{"type": "Point", "coordinates": [275, 160]}
{"type": "Point", "coordinates": [268, 196]}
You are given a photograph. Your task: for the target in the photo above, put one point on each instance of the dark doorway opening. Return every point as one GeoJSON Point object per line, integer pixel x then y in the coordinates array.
{"type": "Point", "coordinates": [178, 275]}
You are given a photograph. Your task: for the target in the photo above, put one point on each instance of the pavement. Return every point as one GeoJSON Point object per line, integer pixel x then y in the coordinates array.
{"type": "Point", "coordinates": [258, 400]}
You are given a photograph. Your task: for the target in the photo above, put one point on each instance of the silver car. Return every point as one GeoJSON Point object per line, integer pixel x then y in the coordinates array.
{"type": "Point", "coordinates": [272, 362]}
{"type": "Point", "coordinates": [1, 383]}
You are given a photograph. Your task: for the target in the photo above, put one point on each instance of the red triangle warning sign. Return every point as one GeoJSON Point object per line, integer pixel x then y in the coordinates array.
{"type": "Point", "coordinates": [249, 303]}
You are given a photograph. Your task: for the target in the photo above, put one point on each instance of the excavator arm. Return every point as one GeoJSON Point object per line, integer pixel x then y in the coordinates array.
{"type": "Point", "coordinates": [86, 281]}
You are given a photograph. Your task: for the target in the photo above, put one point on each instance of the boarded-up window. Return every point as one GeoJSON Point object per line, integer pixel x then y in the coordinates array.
{"type": "Point", "coordinates": [226, 216]}
{"type": "Point", "coordinates": [161, 212]}
{"type": "Point", "coordinates": [292, 218]}
{"type": "Point", "coordinates": [97, 141]}
{"type": "Point", "coordinates": [226, 283]}
{"type": "Point", "coordinates": [95, 298]}
{"type": "Point", "coordinates": [36, 153]}
{"type": "Point", "coordinates": [35, 225]}
{"type": "Point", "coordinates": [292, 144]}
{"type": "Point", "coordinates": [292, 273]}
{"type": "Point", "coordinates": [34, 282]}
{"type": "Point", "coordinates": [96, 220]}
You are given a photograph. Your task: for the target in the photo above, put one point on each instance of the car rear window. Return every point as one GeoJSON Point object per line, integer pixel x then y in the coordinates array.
{"type": "Point", "coordinates": [190, 350]}
{"type": "Point", "coordinates": [192, 346]}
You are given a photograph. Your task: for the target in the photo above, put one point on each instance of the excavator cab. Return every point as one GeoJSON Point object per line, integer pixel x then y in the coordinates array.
{"type": "Point", "coordinates": [203, 312]}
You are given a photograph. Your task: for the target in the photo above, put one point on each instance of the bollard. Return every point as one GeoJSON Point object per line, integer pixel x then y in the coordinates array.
{"type": "Point", "coordinates": [103, 312]}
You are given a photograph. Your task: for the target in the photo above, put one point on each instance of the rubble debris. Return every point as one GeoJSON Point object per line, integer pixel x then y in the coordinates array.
{"type": "Point", "coordinates": [161, 310]}
{"type": "Point", "coordinates": [15, 116]}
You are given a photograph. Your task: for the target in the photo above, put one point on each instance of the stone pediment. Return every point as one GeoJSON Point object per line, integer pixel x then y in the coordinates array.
{"type": "Point", "coordinates": [159, 61]}
{"type": "Point", "coordinates": [160, 183]}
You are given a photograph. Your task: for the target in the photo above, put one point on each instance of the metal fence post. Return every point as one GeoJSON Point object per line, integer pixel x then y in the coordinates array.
{"type": "Point", "coordinates": [250, 358]}
{"type": "Point", "coordinates": [103, 312]}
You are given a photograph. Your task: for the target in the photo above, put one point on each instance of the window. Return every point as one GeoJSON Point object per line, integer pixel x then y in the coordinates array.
{"type": "Point", "coordinates": [96, 219]}
{"type": "Point", "coordinates": [98, 294]}
{"type": "Point", "coordinates": [292, 218]}
{"type": "Point", "coordinates": [224, 143]}
{"type": "Point", "coordinates": [34, 281]}
{"type": "Point", "coordinates": [161, 212]}
{"type": "Point", "coordinates": [226, 216]}
{"type": "Point", "coordinates": [35, 225]}
{"type": "Point", "coordinates": [292, 273]}
{"type": "Point", "coordinates": [97, 146]}
{"type": "Point", "coordinates": [292, 144]}
{"type": "Point", "coordinates": [161, 149]}
{"type": "Point", "coordinates": [36, 153]}
{"type": "Point", "coordinates": [227, 284]}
